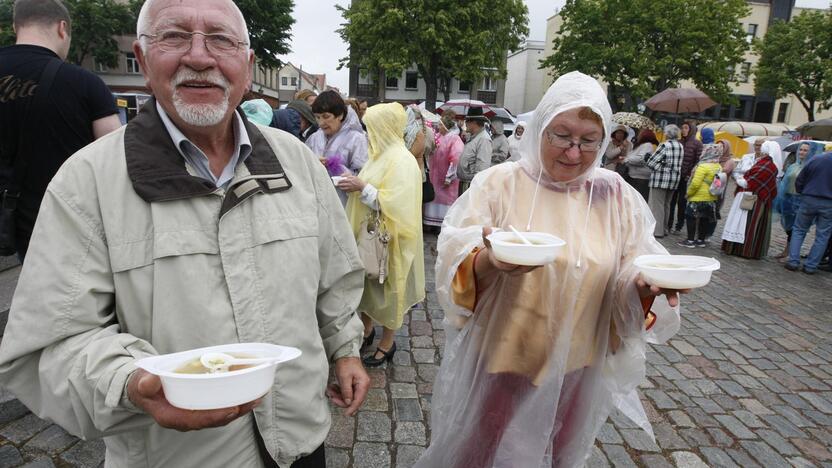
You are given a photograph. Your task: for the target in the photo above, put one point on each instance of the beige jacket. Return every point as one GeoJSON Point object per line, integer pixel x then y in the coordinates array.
{"type": "Point", "coordinates": [133, 256]}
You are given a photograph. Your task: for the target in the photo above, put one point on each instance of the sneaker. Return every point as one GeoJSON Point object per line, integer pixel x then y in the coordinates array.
{"type": "Point", "coordinates": [809, 272]}
{"type": "Point", "coordinates": [701, 243]}
{"type": "Point", "coordinates": [687, 243]}
{"type": "Point", "coordinates": [791, 267]}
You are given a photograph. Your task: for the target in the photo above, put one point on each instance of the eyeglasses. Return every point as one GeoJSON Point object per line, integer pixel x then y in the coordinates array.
{"type": "Point", "coordinates": [180, 42]}
{"type": "Point", "coordinates": [561, 141]}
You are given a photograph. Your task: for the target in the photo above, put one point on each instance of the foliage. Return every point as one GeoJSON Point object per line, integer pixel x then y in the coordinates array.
{"type": "Point", "coordinates": [641, 47]}
{"type": "Point", "coordinates": [270, 28]}
{"type": "Point", "coordinates": [796, 58]}
{"type": "Point", "coordinates": [443, 38]}
{"type": "Point", "coordinates": [95, 23]}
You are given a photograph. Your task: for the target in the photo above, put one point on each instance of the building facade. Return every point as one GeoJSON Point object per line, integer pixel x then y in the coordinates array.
{"type": "Point", "coordinates": [752, 106]}
{"type": "Point", "coordinates": [409, 87]}
{"type": "Point", "coordinates": [524, 78]}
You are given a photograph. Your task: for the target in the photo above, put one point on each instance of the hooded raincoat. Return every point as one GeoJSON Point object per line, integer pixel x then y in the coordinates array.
{"type": "Point", "coordinates": [535, 363]}
{"type": "Point", "coordinates": [393, 172]}
{"type": "Point", "coordinates": [350, 142]}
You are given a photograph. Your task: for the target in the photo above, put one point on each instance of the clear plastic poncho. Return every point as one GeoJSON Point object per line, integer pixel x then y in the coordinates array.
{"type": "Point", "coordinates": [393, 171]}
{"type": "Point", "coordinates": [529, 376]}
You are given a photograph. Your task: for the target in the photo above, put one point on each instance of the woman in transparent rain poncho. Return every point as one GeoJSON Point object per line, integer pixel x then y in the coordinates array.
{"type": "Point", "coordinates": [536, 359]}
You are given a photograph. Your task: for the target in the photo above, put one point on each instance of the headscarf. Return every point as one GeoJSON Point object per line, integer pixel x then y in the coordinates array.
{"type": "Point", "coordinates": [393, 171]}
{"type": "Point", "coordinates": [726, 151]}
{"type": "Point", "coordinates": [772, 149]}
{"type": "Point", "coordinates": [520, 124]}
{"type": "Point", "coordinates": [413, 125]}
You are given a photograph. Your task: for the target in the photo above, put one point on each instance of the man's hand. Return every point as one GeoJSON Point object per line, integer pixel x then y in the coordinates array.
{"type": "Point", "coordinates": [645, 290]}
{"type": "Point", "coordinates": [145, 391]}
{"type": "Point", "coordinates": [352, 384]}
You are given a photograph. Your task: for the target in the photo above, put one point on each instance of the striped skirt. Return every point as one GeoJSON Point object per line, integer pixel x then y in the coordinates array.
{"type": "Point", "coordinates": [757, 234]}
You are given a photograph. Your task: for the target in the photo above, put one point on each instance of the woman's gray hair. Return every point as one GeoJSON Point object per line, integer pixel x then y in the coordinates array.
{"type": "Point", "coordinates": [672, 132]}
{"type": "Point", "coordinates": [143, 23]}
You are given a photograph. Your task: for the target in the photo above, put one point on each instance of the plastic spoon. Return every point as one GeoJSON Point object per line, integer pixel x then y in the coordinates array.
{"type": "Point", "coordinates": [221, 362]}
{"type": "Point", "coordinates": [521, 236]}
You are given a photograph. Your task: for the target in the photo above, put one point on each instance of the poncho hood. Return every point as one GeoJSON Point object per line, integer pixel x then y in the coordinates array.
{"type": "Point", "coordinates": [570, 91]}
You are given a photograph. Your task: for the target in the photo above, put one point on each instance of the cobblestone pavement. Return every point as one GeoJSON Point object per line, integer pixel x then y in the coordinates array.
{"type": "Point", "coordinates": [747, 382]}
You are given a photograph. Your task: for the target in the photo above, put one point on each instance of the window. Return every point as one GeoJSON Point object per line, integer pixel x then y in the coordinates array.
{"type": "Point", "coordinates": [294, 81]}
{"type": "Point", "coordinates": [411, 80]}
{"type": "Point", "coordinates": [782, 111]}
{"type": "Point", "coordinates": [392, 82]}
{"type": "Point", "coordinates": [284, 81]}
{"type": "Point", "coordinates": [745, 71]}
{"type": "Point", "coordinates": [464, 86]}
{"type": "Point", "coordinates": [101, 68]}
{"type": "Point", "coordinates": [489, 84]}
{"type": "Point", "coordinates": [132, 64]}
{"type": "Point", "coordinates": [751, 33]}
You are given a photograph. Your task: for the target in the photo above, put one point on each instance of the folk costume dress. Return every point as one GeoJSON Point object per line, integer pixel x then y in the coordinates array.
{"type": "Point", "coordinates": [535, 363]}
{"type": "Point", "coordinates": [396, 190]}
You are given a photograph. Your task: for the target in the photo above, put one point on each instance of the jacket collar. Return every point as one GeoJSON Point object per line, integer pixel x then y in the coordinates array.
{"type": "Point", "coordinates": [158, 173]}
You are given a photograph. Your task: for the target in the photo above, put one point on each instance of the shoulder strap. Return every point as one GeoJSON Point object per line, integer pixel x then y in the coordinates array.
{"type": "Point", "coordinates": [28, 130]}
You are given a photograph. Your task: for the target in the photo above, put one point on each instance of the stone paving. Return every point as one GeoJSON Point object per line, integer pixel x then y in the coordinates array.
{"type": "Point", "coordinates": [747, 382]}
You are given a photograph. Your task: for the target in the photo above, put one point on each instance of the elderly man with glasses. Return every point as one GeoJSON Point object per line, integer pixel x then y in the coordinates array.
{"type": "Point", "coordinates": [189, 227]}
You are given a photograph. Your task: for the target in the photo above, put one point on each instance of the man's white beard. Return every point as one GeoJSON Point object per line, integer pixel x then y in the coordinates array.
{"type": "Point", "coordinates": [200, 115]}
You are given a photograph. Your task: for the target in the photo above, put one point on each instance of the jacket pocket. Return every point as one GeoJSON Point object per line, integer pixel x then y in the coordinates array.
{"type": "Point", "coordinates": [265, 232]}
{"type": "Point", "coordinates": [139, 253]}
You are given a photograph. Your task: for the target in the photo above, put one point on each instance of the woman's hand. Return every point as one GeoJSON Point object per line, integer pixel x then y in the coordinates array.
{"type": "Point", "coordinates": [646, 290]}
{"type": "Point", "coordinates": [351, 183]}
{"type": "Point", "coordinates": [488, 262]}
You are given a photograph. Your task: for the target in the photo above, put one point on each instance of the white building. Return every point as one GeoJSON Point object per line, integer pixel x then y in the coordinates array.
{"type": "Point", "coordinates": [524, 80]}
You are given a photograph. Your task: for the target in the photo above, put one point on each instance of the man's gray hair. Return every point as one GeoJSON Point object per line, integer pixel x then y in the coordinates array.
{"type": "Point", "coordinates": [40, 12]}
{"type": "Point", "coordinates": [143, 24]}
{"type": "Point", "coordinates": [672, 132]}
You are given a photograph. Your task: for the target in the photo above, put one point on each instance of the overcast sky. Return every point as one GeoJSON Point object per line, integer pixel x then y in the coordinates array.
{"type": "Point", "coordinates": [317, 47]}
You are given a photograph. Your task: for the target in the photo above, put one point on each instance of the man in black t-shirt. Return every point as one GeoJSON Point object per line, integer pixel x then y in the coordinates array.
{"type": "Point", "coordinates": [79, 106]}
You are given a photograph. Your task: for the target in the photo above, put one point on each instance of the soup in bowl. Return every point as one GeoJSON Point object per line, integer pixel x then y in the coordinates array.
{"type": "Point", "coordinates": [189, 385]}
{"type": "Point", "coordinates": [676, 271]}
{"type": "Point", "coordinates": [509, 248]}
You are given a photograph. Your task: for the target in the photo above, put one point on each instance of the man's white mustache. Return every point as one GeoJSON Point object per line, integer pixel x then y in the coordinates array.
{"type": "Point", "coordinates": [213, 78]}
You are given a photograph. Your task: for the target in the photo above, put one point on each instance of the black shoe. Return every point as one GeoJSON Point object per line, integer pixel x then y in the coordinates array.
{"type": "Point", "coordinates": [809, 272]}
{"type": "Point", "coordinates": [791, 267]}
{"type": "Point", "coordinates": [368, 340]}
{"type": "Point", "coordinates": [826, 267]}
{"type": "Point", "coordinates": [372, 361]}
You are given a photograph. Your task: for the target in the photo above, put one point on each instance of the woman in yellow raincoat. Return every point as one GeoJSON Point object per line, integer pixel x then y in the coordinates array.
{"type": "Point", "coordinates": [392, 183]}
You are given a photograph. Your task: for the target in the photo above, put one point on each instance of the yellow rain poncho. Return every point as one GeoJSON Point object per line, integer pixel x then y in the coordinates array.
{"type": "Point", "coordinates": [535, 363]}
{"type": "Point", "coordinates": [395, 174]}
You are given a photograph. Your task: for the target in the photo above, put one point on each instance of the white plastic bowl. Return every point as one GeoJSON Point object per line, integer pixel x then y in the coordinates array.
{"type": "Point", "coordinates": [676, 271]}
{"type": "Point", "coordinates": [509, 248]}
{"type": "Point", "coordinates": [336, 179]}
{"type": "Point", "coordinates": [218, 390]}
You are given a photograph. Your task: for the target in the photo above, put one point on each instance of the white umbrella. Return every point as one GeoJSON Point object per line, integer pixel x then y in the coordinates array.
{"type": "Point", "coordinates": [461, 106]}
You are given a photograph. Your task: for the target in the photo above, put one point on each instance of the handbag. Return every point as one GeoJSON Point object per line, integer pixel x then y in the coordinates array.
{"type": "Point", "coordinates": [373, 246]}
{"type": "Point", "coordinates": [717, 187]}
{"type": "Point", "coordinates": [748, 201]}
{"type": "Point", "coordinates": [13, 170]}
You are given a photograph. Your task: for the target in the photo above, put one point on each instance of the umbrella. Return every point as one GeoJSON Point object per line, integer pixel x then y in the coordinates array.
{"type": "Point", "coordinates": [680, 100]}
{"type": "Point", "coordinates": [633, 120]}
{"type": "Point", "coordinates": [461, 106]}
{"type": "Point", "coordinates": [820, 129]}
{"type": "Point", "coordinates": [792, 147]}
{"type": "Point", "coordinates": [502, 114]}
{"type": "Point", "coordinates": [429, 116]}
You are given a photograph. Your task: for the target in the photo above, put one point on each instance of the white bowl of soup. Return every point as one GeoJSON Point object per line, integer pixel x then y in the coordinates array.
{"type": "Point", "coordinates": [509, 248]}
{"type": "Point", "coordinates": [189, 385]}
{"type": "Point", "coordinates": [676, 271]}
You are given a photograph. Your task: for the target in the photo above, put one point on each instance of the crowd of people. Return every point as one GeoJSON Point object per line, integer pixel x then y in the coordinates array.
{"type": "Point", "coordinates": [197, 224]}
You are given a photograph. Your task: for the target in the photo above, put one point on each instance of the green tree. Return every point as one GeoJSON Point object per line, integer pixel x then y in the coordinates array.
{"type": "Point", "coordinates": [270, 28]}
{"type": "Point", "coordinates": [641, 47]}
{"type": "Point", "coordinates": [796, 59]}
{"type": "Point", "coordinates": [443, 38]}
{"type": "Point", "coordinates": [96, 23]}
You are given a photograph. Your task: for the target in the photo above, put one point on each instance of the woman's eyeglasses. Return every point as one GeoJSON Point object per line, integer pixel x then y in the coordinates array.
{"type": "Point", "coordinates": [563, 141]}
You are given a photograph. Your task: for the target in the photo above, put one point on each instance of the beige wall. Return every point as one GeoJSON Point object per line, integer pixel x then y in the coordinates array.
{"type": "Point", "coordinates": [524, 80]}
